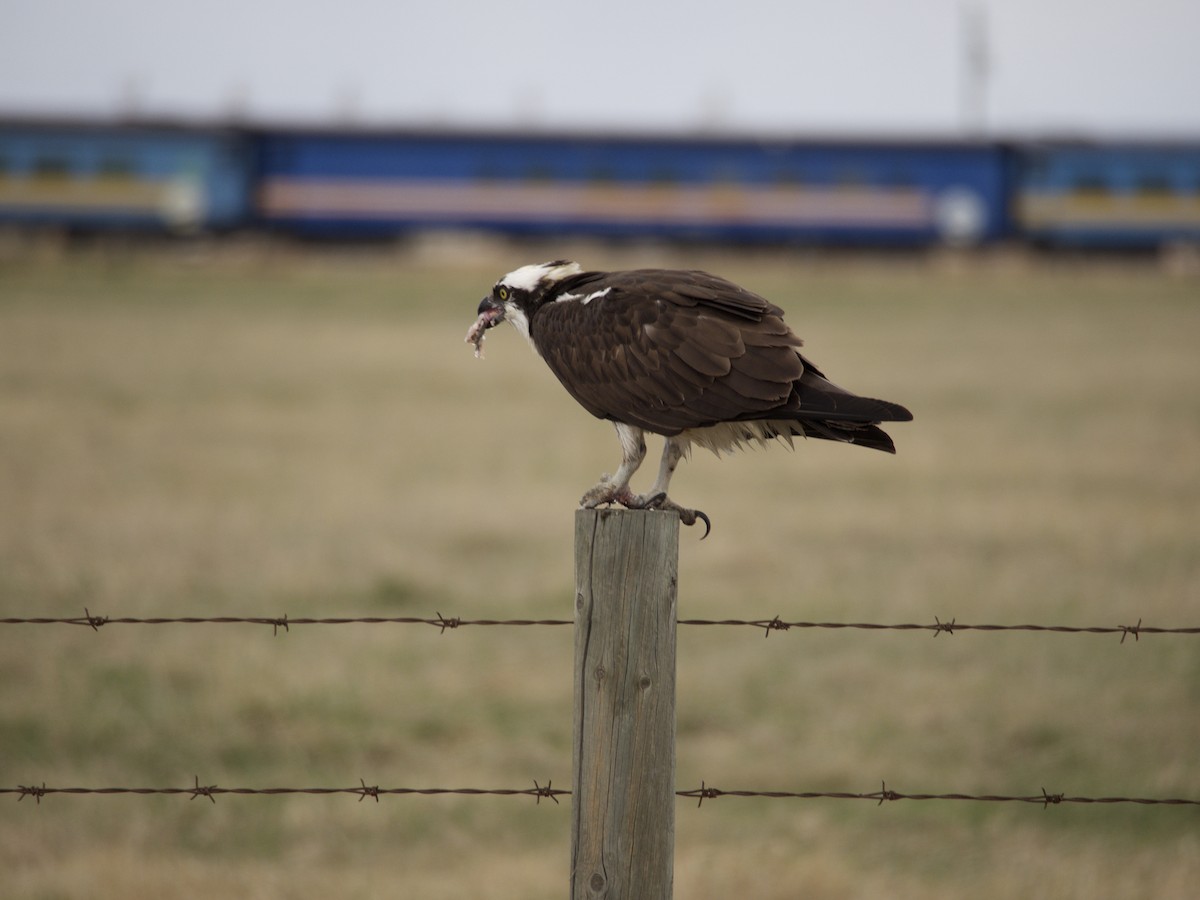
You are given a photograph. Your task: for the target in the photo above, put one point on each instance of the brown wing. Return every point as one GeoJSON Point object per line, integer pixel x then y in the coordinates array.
{"type": "Point", "coordinates": [666, 350]}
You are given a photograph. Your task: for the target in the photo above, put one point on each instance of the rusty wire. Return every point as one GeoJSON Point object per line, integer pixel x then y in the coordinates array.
{"type": "Point", "coordinates": [212, 791]}
{"type": "Point", "coordinates": [442, 623]}
{"type": "Point", "coordinates": [949, 627]}
{"type": "Point", "coordinates": [276, 622]}
{"type": "Point", "coordinates": [704, 792]}
{"type": "Point", "coordinates": [1045, 798]}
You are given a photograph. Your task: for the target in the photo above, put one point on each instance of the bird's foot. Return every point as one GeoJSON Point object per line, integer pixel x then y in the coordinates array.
{"type": "Point", "coordinates": [606, 493]}
{"type": "Point", "coordinates": [686, 516]}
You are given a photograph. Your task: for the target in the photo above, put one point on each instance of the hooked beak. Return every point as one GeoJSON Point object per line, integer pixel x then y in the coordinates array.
{"type": "Point", "coordinates": [493, 311]}
{"type": "Point", "coordinates": [491, 314]}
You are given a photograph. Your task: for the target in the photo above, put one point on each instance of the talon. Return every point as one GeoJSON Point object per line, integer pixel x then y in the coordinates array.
{"type": "Point", "coordinates": [689, 517]}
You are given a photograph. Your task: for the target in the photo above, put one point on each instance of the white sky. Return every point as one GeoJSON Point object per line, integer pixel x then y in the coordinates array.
{"type": "Point", "coordinates": [797, 67]}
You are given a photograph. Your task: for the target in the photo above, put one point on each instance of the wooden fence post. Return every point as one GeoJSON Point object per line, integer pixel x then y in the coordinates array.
{"type": "Point", "coordinates": [623, 795]}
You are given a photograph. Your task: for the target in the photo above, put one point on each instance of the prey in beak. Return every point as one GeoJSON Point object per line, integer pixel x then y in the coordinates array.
{"type": "Point", "coordinates": [491, 314]}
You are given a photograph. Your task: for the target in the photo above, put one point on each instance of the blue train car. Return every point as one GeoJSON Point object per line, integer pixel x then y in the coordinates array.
{"type": "Point", "coordinates": [1108, 195]}
{"type": "Point", "coordinates": [95, 177]}
{"type": "Point", "coordinates": [323, 182]}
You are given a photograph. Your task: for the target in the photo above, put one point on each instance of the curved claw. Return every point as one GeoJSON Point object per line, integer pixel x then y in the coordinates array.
{"type": "Point", "coordinates": [689, 517]}
{"type": "Point", "coordinates": [686, 516]}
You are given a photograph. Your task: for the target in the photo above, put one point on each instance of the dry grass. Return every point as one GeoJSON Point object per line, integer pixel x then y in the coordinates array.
{"type": "Point", "coordinates": [211, 433]}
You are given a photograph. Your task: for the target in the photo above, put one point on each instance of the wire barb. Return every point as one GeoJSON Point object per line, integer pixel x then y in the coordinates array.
{"type": "Point", "coordinates": [884, 793]}
{"type": "Point", "coordinates": [368, 791]}
{"type": "Point", "coordinates": [702, 793]}
{"type": "Point", "coordinates": [37, 793]}
{"type": "Point", "coordinates": [546, 792]}
{"type": "Point", "coordinates": [202, 791]}
{"type": "Point", "coordinates": [776, 624]}
{"type": "Point", "coordinates": [1050, 798]}
{"type": "Point", "coordinates": [1127, 630]}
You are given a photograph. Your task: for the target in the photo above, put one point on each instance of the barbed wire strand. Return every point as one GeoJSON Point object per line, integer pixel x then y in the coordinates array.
{"type": "Point", "coordinates": [1045, 798]}
{"type": "Point", "coordinates": [950, 627]}
{"type": "Point", "coordinates": [538, 791]}
{"type": "Point", "coordinates": [442, 623]}
{"type": "Point", "coordinates": [276, 622]}
{"type": "Point", "coordinates": [212, 791]}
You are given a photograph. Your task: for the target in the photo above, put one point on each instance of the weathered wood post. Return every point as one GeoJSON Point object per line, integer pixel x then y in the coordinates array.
{"type": "Point", "coordinates": [623, 795]}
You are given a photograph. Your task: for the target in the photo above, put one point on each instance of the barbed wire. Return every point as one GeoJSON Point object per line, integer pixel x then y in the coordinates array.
{"type": "Point", "coordinates": [950, 627]}
{"type": "Point", "coordinates": [212, 791]}
{"type": "Point", "coordinates": [1045, 798]}
{"type": "Point", "coordinates": [538, 791]}
{"type": "Point", "coordinates": [276, 622]}
{"type": "Point", "coordinates": [442, 623]}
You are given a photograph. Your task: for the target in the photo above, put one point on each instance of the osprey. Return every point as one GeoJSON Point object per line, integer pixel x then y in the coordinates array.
{"type": "Point", "coordinates": [684, 354]}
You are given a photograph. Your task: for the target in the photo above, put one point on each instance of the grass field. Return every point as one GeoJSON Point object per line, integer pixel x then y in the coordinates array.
{"type": "Point", "coordinates": [216, 431]}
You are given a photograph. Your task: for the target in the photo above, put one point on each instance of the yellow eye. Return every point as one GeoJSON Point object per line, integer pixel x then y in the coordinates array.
{"type": "Point", "coordinates": [502, 293]}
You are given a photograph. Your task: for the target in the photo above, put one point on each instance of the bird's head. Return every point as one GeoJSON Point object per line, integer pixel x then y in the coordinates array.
{"type": "Point", "coordinates": [517, 295]}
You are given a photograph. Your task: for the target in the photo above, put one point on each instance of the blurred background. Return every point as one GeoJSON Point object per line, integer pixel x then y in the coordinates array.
{"type": "Point", "coordinates": [239, 247]}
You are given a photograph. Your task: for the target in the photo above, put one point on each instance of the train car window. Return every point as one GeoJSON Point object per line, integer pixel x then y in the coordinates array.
{"type": "Point", "coordinates": [51, 166]}
{"type": "Point", "coordinates": [115, 167]}
{"type": "Point", "coordinates": [3, 165]}
{"type": "Point", "coordinates": [1036, 167]}
{"type": "Point", "coordinates": [487, 171]}
{"type": "Point", "coordinates": [850, 178]}
{"type": "Point", "coordinates": [898, 180]}
{"type": "Point", "coordinates": [1091, 184]}
{"type": "Point", "coordinates": [726, 174]}
{"type": "Point", "coordinates": [1154, 184]}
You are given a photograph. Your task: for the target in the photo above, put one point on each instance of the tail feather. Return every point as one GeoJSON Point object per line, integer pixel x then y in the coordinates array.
{"type": "Point", "coordinates": [822, 409]}
{"type": "Point", "coordinates": [864, 435]}
{"type": "Point", "coordinates": [815, 396]}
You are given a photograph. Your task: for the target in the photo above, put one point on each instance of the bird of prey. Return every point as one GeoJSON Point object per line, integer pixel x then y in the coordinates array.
{"type": "Point", "coordinates": [684, 354]}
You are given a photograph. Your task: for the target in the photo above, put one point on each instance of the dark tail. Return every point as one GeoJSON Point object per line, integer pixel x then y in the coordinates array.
{"type": "Point", "coordinates": [848, 433]}
{"type": "Point", "coordinates": [823, 410]}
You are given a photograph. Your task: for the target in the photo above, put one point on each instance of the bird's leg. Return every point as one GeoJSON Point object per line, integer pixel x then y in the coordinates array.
{"type": "Point", "coordinates": [673, 450]}
{"type": "Point", "coordinates": [615, 488]}
{"type": "Point", "coordinates": [657, 498]}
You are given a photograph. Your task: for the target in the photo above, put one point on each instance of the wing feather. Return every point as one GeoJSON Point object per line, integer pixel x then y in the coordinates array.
{"type": "Point", "coordinates": [668, 350]}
